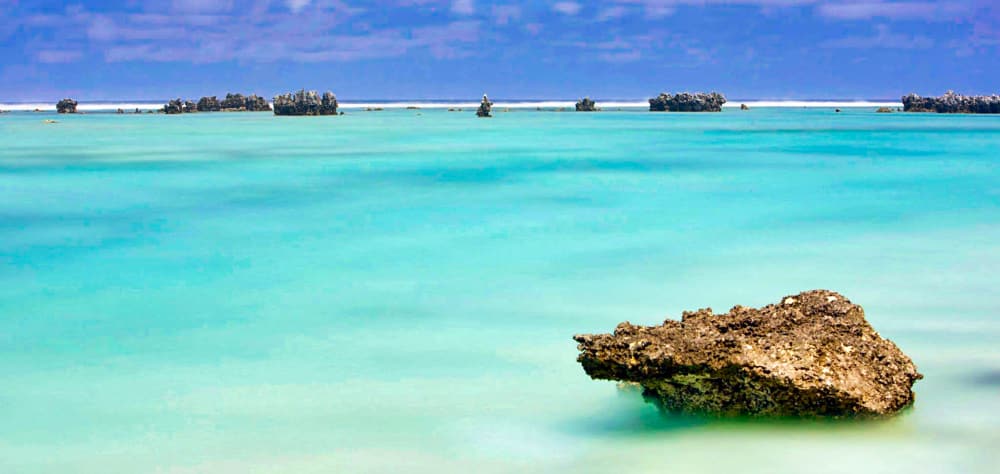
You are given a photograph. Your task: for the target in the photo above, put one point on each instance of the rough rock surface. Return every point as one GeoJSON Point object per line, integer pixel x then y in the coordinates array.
{"type": "Point", "coordinates": [952, 103]}
{"type": "Point", "coordinates": [485, 108]}
{"type": "Point", "coordinates": [241, 103]}
{"type": "Point", "coordinates": [687, 102]}
{"type": "Point", "coordinates": [175, 106]}
{"type": "Point", "coordinates": [586, 105]}
{"type": "Point", "coordinates": [744, 107]}
{"type": "Point", "coordinates": [256, 103]}
{"type": "Point", "coordinates": [305, 103]}
{"type": "Point", "coordinates": [883, 110]}
{"type": "Point", "coordinates": [234, 102]}
{"type": "Point", "coordinates": [209, 104]}
{"type": "Point", "coordinates": [812, 354]}
{"type": "Point", "coordinates": [66, 106]}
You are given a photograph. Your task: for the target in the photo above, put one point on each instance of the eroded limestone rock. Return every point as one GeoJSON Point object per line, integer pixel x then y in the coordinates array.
{"type": "Point", "coordinates": [812, 354]}
{"type": "Point", "coordinates": [485, 108]}
{"type": "Point", "coordinates": [66, 106]}
{"type": "Point", "coordinates": [952, 103]}
{"type": "Point", "coordinates": [687, 102]}
{"type": "Point", "coordinates": [305, 103]}
{"type": "Point", "coordinates": [586, 105]}
{"type": "Point", "coordinates": [209, 104]}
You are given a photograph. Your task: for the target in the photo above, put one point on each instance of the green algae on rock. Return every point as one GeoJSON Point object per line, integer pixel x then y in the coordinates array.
{"type": "Point", "coordinates": [812, 354]}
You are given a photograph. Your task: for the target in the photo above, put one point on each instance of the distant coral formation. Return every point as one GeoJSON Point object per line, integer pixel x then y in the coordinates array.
{"type": "Point", "coordinates": [586, 105]}
{"type": "Point", "coordinates": [687, 102]}
{"type": "Point", "coordinates": [176, 106]}
{"type": "Point", "coordinates": [232, 103]}
{"type": "Point", "coordinates": [305, 103]}
{"type": "Point", "coordinates": [241, 103]}
{"type": "Point", "coordinates": [485, 108]}
{"type": "Point", "coordinates": [952, 103]}
{"type": "Point", "coordinates": [209, 104]}
{"type": "Point", "coordinates": [66, 106]}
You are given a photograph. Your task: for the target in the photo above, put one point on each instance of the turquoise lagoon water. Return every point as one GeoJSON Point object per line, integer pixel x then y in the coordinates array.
{"type": "Point", "coordinates": [397, 291]}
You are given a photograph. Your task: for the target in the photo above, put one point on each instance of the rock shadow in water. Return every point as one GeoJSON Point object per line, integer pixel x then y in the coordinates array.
{"type": "Point", "coordinates": [631, 416]}
{"type": "Point", "coordinates": [989, 378]}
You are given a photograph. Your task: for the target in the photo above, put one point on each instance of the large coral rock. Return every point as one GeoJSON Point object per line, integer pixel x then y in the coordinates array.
{"type": "Point", "coordinates": [952, 103]}
{"type": "Point", "coordinates": [305, 103]}
{"type": "Point", "coordinates": [66, 106]}
{"type": "Point", "coordinates": [812, 354]}
{"type": "Point", "coordinates": [687, 102]}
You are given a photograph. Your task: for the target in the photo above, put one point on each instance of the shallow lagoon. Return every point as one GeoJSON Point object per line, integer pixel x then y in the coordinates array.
{"type": "Point", "coordinates": [396, 291]}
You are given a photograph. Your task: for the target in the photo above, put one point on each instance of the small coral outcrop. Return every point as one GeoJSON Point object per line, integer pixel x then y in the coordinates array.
{"type": "Point", "coordinates": [66, 106]}
{"type": "Point", "coordinates": [485, 108]}
{"type": "Point", "coordinates": [586, 105]}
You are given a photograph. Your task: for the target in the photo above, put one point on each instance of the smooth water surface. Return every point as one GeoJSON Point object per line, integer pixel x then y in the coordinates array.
{"type": "Point", "coordinates": [396, 291]}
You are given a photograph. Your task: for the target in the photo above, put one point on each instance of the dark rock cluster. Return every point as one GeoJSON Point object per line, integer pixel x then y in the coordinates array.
{"type": "Point", "coordinates": [209, 104]}
{"type": "Point", "coordinates": [305, 103]}
{"type": "Point", "coordinates": [485, 108]}
{"type": "Point", "coordinates": [180, 106]}
{"type": "Point", "coordinates": [812, 354]}
{"type": "Point", "coordinates": [232, 103]}
{"type": "Point", "coordinates": [952, 103]}
{"type": "Point", "coordinates": [586, 105]}
{"type": "Point", "coordinates": [687, 102]}
{"type": "Point", "coordinates": [241, 103]}
{"type": "Point", "coordinates": [66, 106]}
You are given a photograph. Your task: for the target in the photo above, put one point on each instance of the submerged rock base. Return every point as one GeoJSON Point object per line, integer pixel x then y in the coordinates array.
{"type": "Point", "coordinates": [812, 354]}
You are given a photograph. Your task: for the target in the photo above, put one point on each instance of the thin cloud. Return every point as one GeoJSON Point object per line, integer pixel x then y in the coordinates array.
{"type": "Point", "coordinates": [567, 8]}
{"type": "Point", "coordinates": [883, 38]}
{"type": "Point", "coordinates": [297, 5]}
{"type": "Point", "coordinates": [56, 56]}
{"type": "Point", "coordinates": [612, 13]}
{"type": "Point", "coordinates": [463, 7]}
{"type": "Point", "coordinates": [504, 14]}
{"type": "Point", "coordinates": [928, 11]}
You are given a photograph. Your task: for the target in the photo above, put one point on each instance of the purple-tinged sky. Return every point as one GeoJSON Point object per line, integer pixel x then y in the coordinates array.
{"type": "Point", "coordinates": [457, 49]}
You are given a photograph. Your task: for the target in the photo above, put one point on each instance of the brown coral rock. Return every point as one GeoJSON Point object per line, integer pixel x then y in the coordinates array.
{"type": "Point", "coordinates": [812, 354]}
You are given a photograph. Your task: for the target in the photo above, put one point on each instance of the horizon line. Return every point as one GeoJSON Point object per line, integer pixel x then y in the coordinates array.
{"type": "Point", "coordinates": [448, 103]}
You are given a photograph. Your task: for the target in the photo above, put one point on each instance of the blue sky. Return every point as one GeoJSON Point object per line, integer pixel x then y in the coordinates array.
{"type": "Point", "coordinates": [457, 49]}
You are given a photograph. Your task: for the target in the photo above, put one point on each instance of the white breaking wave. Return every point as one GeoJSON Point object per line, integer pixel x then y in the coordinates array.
{"type": "Point", "coordinates": [812, 103]}
{"type": "Point", "coordinates": [545, 104]}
